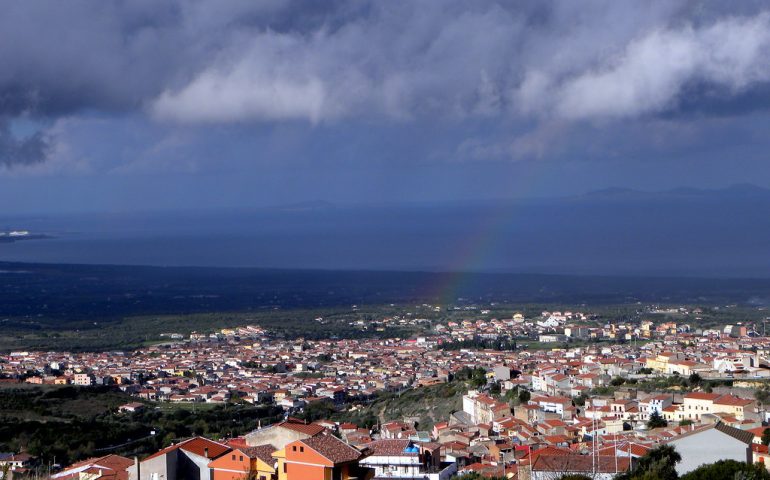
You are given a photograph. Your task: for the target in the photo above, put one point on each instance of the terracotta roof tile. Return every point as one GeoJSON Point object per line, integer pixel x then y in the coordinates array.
{"type": "Point", "coordinates": [332, 448]}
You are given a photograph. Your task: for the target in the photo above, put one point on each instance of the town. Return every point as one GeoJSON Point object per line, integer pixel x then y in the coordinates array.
{"type": "Point", "coordinates": [580, 398]}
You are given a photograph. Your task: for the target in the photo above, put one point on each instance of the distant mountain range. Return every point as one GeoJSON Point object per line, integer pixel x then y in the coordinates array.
{"type": "Point", "coordinates": [743, 190]}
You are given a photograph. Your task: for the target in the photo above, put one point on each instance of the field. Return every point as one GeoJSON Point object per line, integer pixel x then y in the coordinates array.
{"type": "Point", "coordinates": [131, 332]}
{"type": "Point", "coordinates": [43, 296]}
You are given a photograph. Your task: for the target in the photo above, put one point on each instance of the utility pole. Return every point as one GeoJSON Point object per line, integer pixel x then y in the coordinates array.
{"type": "Point", "coordinates": [593, 441]}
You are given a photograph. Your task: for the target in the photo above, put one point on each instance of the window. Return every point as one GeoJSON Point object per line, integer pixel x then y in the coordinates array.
{"type": "Point", "coordinates": [302, 449]}
{"type": "Point", "coordinates": [233, 457]}
{"type": "Point", "coordinates": [294, 448]}
{"type": "Point", "coordinates": [284, 468]}
{"type": "Point", "coordinates": [241, 458]}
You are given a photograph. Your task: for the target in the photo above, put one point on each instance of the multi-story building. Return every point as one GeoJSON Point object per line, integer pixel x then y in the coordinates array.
{"type": "Point", "coordinates": [188, 460]}
{"type": "Point", "coordinates": [406, 460]}
{"type": "Point", "coordinates": [245, 462]}
{"type": "Point", "coordinates": [483, 408]}
{"type": "Point", "coordinates": [323, 457]}
{"type": "Point", "coordinates": [83, 379]}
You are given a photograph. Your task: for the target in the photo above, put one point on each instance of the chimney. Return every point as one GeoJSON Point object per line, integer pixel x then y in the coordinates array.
{"type": "Point", "coordinates": [206, 452]}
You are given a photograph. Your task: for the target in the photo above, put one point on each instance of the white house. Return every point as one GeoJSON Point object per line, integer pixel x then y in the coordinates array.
{"type": "Point", "coordinates": [406, 460]}
{"type": "Point", "coordinates": [710, 444]}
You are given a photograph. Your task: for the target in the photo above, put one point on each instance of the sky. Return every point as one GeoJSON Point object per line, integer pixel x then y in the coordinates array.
{"type": "Point", "coordinates": [164, 104]}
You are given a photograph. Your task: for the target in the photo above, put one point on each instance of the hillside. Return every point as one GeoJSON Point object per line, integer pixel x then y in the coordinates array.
{"type": "Point", "coordinates": [428, 405]}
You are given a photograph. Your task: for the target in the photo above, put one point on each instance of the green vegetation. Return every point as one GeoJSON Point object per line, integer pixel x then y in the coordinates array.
{"type": "Point", "coordinates": [656, 420]}
{"type": "Point", "coordinates": [479, 343]}
{"type": "Point", "coordinates": [134, 332]}
{"type": "Point", "coordinates": [678, 383]}
{"type": "Point", "coordinates": [478, 476]}
{"type": "Point", "coordinates": [580, 400]}
{"type": "Point", "coordinates": [430, 405]}
{"type": "Point", "coordinates": [762, 395]}
{"type": "Point", "coordinates": [128, 317]}
{"type": "Point", "coordinates": [66, 424]}
{"type": "Point", "coordinates": [320, 410]}
{"type": "Point", "coordinates": [617, 381]}
{"type": "Point", "coordinates": [766, 436]}
{"type": "Point", "coordinates": [658, 464]}
{"type": "Point", "coordinates": [728, 470]}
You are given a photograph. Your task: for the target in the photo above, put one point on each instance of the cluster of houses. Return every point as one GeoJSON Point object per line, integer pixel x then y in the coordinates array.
{"type": "Point", "coordinates": [540, 439]}
{"type": "Point", "coordinates": [575, 417]}
{"type": "Point", "coordinates": [289, 450]}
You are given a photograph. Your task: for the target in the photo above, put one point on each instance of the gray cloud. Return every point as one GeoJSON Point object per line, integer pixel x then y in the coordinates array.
{"type": "Point", "coordinates": [547, 64]}
{"type": "Point", "coordinates": [27, 151]}
{"type": "Point", "coordinates": [652, 71]}
{"type": "Point", "coordinates": [587, 64]}
{"type": "Point", "coordinates": [275, 60]}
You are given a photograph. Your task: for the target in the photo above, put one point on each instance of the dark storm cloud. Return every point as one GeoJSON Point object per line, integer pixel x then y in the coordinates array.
{"type": "Point", "coordinates": [224, 61]}
{"type": "Point", "coordinates": [16, 151]}
{"type": "Point", "coordinates": [538, 63]}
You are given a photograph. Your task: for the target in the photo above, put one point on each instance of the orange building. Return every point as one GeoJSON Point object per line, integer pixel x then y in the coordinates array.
{"type": "Point", "coordinates": [245, 462]}
{"type": "Point", "coordinates": [324, 457]}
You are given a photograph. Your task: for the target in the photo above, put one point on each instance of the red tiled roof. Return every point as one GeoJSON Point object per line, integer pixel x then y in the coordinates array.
{"type": "Point", "coordinates": [332, 448]}
{"type": "Point", "coordinates": [580, 463]}
{"type": "Point", "coordinates": [389, 447]}
{"type": "Point", "coordinates": [732, 400]}
{"type": "Point", "coordinates": [111, 466]}
{"type": "Point", "coordinates": [702, 396]}
{"type": "Point", "coordinates": [311, 429]}
{"type": "Point", "coordinates": [197, 446]}
{"type": "Point", "coordinates": [262, 452]}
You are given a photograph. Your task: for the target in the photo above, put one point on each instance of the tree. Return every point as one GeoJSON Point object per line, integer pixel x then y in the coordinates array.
{"type": "Point", "coordinates": [766, 436]}
{"type": "Point", "coordinates": [658, 464]}
{"type": "Point", "coordinates": [694, 379]}
{"type": "Point", "coordinates": [318, 410]}
{"type": "Point", "coordinates": [478, 476]}
{"type": "Point", "coordinates": [524, 396]}
{"type": "Point", "coordinates": [479, 378]}
{"type": "Point", "coordinates": [762, 395]}
{"type": "Point", "coordinates": [512, 396]}
{"type": "Point", "coordinates": [728, 469]}
{"type": "Point", "coordinates": [617, 381]}
{"type": "Point", "coordinates": [656, 420]}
